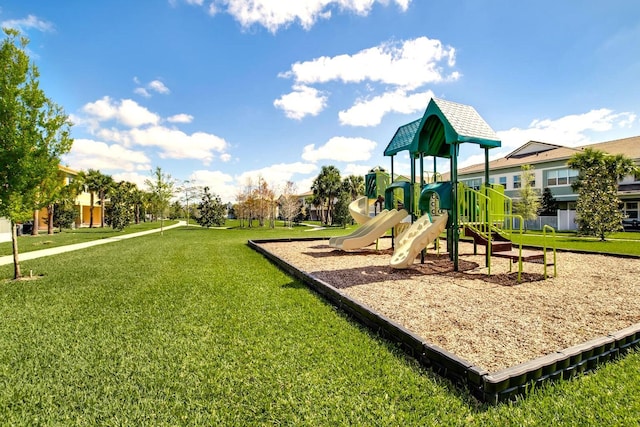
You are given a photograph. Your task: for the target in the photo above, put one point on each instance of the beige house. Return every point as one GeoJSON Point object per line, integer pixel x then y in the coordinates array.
{"type": "Point", "coordinates": [551, 171]}
{"type": "Point", "coordinates": [82, 204]}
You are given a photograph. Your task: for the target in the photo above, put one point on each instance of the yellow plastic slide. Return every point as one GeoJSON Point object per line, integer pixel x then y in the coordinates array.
{"type": "Point", "coordinates": [416, 238]}
{"type": "Point", "coordinates": [370, 231]}
{"type": "Point", "coordinates": [359, 210]}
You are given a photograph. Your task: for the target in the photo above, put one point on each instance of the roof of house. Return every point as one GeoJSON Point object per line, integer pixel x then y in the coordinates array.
{"type": "Point", "coordinates": [534, 152]}
{"type": "Point", "coordinates": [68, 170]}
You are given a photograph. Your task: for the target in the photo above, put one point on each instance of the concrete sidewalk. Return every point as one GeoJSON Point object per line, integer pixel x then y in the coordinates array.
{"type": "Point", "coordinates": [8, 259]}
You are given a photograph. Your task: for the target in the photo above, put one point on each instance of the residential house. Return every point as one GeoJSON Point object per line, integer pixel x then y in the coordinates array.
{"type": "Point", "coordinates": [82, 204]}
{"type": "Point", "coordinates": [551, 171]}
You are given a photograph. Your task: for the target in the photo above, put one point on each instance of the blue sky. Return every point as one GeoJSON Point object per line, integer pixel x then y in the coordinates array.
{"type": "Point", "coordinates": [226, 92]}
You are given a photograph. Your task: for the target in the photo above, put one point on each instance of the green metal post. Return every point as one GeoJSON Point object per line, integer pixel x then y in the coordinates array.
{"type": "Point", "coordinates": [486, 203]}
{"type": "Point", "coordinates": [454, 189]}
{"type": "Point", "coordinates": [413, 183]}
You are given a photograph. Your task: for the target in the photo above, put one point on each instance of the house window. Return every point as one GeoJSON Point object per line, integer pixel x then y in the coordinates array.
{"type": "Point", "coordinates": [503, 181]}
{"type": "Point", "coordinates": [473, 183]}
{"type": "Point", "coordinates": [573, 176]}
{"type": "Point", "coordinates": [561, 177]}
{"type": "Point", "coordinates": [552, 178]}
{"type": "Point", "coordinates": [517, 183]}
{"type": "Point", "coordinates": [492, 180]}
{"type": "Point", "coordinates": [630, 210]}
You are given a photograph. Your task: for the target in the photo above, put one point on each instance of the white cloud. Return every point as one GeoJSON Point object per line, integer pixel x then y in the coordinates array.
{"type": "Point", "coordinates": [408, 64]}
{"type": "Point", "coordinates": [341, 149]}
{"type": "Point", "coordinates": [30, 22]}
{"type": "Point", "coordinates": [142, 92]}
{"type": "Point", "coordinates": [130, 113]}
{"type": "Point", "coordinates": [147, 132]}
{"type": "Point", "coordinates": [303, 101]}
{"type": "Point", "coordinates": [572, 130]}
{"type": "Point", "coordinates": [158, 86]}
{"type": "Point", "coordinates": [274, 15]}
{"type": "Point", "coordinates": [353, 169]}
{"type": "Point", "coordinates": [137, 178]}
{"type": "Point", "coordinates": [175, 144]}
{"type": "Point", "coordinates": [219, 183]}
{"type": "Point", "coordinates": [369, 112]}
{"type": "Point", "coordinates": [180, 118]}
{"type": "Point", "coordinates": [90, 154]}
{"type": "Point", "coordinates": [127, 112]}
{"type": "Point", "coordinates": [277, 175]}
{"type": "Point", "coordinates": [154, 85]}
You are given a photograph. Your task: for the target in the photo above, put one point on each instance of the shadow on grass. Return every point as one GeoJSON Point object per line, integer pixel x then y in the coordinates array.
{"type": "Point", "coordinates": [295, 285]}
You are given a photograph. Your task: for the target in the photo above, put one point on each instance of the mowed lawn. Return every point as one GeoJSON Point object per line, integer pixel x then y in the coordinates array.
{"type": "Point", "coordinates": [195, 328]}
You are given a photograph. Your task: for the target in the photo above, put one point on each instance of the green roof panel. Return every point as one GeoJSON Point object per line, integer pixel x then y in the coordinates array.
{"type": "Point", "coordinates": [403, 138]}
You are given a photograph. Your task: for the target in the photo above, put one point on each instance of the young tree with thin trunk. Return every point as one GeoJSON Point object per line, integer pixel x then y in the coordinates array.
{"type": "Point", "coordinates": [34, 133]}
{"type": "Point", "coordinates": [528, 203]}
{"type": "Point", "coordinates": [289, 203]}
{"type": "Point", "coordinates": [161, 188]}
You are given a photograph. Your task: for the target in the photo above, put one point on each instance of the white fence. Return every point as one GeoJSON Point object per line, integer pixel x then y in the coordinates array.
{"type": "Point", "coordinates": [564, 220]}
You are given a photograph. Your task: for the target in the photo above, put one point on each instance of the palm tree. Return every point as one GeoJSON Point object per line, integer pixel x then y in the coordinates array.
{"type": "Point", "coordinates": [354, 185]}
{"type": "Point", "coordinates": [97, 183]}
{"type": "Point", "coordinates": [105, 187]}
{"type": "Point", "coordinates": [327, 187]}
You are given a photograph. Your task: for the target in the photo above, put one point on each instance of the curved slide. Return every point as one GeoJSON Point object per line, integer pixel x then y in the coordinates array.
{"type": "Point", "coordinates": [370, 231]}
{"type": "Point", "coordinates": [359, 210]}
{"type": "Point", "coordinates": [416, 238]}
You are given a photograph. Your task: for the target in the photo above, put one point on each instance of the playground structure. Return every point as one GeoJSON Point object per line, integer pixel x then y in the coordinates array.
{"type": "Point", "coordinates": [370, 231]}
{"type": "Point", "coordinates": [485, 215]}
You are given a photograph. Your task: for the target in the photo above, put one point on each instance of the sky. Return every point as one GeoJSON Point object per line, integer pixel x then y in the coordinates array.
{"type": "Point", "coordinates": [225, 93]}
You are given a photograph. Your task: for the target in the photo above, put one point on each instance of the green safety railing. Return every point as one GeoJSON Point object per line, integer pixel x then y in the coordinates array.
{"type": "Point", "coordinates": [544, 248]}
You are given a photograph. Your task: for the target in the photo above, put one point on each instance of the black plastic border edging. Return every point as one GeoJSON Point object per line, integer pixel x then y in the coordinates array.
{"type": "Point", "coordinates": [488, 387]}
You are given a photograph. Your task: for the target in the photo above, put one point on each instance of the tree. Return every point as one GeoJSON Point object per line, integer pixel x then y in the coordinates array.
{"type": "Point", "coordinates": [211, 210]}
{"type": "Point", "coordinates": [100, 185]}
{"type": "Point", "coordinates": [528, 202]}
{"type": "Point", "coordinates": [139, 201]}
{"type": "Point", "coordinates": [341, 215]}
{"type": "Point", "coordinates": [189, 192]}
{"type": "Point", "coordinates": [34, 133]}
{"type": "Point", "coordinates": [176, 210]}
{"type": "Point", "coordinates": [354, 185]}
{"type": "Point", "coordinates": [597, 212]}
{"type": "Point", "coordinates": [64, 212]}
{"type": "Point", "coordinates": [289, 203]}
{"type": "Point", "coordinates": [548, 204]}
{"type": "Point", "coordinates": [161, 191]}
{"type": "Point", "coordinates": [327, 187]}
{"type": "Point", "coordinates": [47, 192]}
{"type": "Point", "coordinates": [121, 210]}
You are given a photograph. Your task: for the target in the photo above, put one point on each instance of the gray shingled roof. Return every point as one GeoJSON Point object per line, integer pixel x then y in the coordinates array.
{"type": "Point", "coordinates": [465, 120]}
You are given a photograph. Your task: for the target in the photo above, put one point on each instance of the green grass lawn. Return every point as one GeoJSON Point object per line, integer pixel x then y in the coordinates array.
{"type": "Point", "coordinates": [195, 328]}
{"type": "Point", "coordinates": [617, 243]}
{"type": "Point", "coordinates": [28, 243]}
